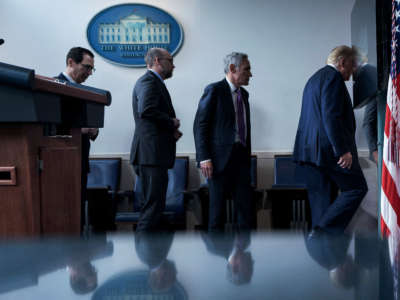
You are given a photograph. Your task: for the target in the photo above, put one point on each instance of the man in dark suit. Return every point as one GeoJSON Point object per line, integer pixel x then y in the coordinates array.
{"type": "Point", "coordinates": [370, 125]}
{"type": "Point", "coordinates": [156, 133]}
{"type": "Point", "coordinates": [325, 146]}
{"type": "Point", "coordinates": [223, 143]}
{"type": "Point", "coordinates": [365, 91]}
{"type": "Point", "coordinates": [80, 65]}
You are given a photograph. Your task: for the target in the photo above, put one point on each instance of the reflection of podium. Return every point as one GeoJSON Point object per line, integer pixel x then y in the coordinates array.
{"type": "Point", "coordinates": [22, 263]}
{"type": "Point", "coordinates": [40, 169]}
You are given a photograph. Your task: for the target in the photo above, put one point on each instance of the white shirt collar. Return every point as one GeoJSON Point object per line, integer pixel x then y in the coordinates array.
{"type": "Point", "coordinates": [231, 85]}
{"type": "Point", "coordinates": [333, 66]}
{"type": "Point", "coordinates": [68, 77]}
{"type": "Point", "coordinates": [158, 75]}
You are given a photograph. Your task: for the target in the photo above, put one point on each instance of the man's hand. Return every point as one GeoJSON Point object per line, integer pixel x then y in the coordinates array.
{"type": "Point", "coordinates": [177, 123]}
{"type": "Point", "coordinates": [206, 169]}
{"type": "Point", "coordinates": [91, 132]}
{"type": "Point", "coordinates": [345, 161]}
{"type": "Point", "coordinates": [177, 134]}
{"type": "Point", "coordinates": [375, 156]}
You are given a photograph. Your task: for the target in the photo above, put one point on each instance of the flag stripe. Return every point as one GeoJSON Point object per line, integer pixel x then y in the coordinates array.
{"type": "Point", "coordinates": [390, 190]}
{"type": "Point", "coordinates": [385, 230]}
{"type": "Point", "coordinates": [387, 117]}
{"type": "Point", "coordinates": [387, 214]}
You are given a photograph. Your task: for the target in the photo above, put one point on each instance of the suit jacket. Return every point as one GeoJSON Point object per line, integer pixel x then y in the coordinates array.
{"type": "Point", "coordinates": [327, 125]}
{"type": "Point", "coordinates": [215, 124]}
{"type": "Point", "coordinates": [365, 85]}
{"type": "Point", "coordinates": [370, 125]}
{"type": "Point", "coordinates": [153, 142]}
{"type": "Point", "coordinates": [85, 139]}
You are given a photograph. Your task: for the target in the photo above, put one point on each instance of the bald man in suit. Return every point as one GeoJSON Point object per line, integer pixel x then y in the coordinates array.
{"type": "Point", "coordinates": [153, 148]}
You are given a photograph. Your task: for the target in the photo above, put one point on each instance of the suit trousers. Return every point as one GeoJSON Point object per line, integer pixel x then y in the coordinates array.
{"type": "Point", "coordinates": [154, 184]}
{"type": "Point", "coordinates": [334, 214]}
{"type": "Point", "coordinates": [233, 181]}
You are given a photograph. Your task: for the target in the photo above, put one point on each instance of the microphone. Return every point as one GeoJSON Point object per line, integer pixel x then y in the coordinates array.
{"type": "Point", "coordinates": [1, 41]}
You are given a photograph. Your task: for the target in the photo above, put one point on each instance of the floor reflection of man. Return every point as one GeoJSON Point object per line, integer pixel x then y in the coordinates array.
{"type": "Point", "coordinates": [233, 247]}
{"type": "Point", "coordinates": [152, 249]}
{"type": "Point", "coordinates": [82, 277]}
{"type": "Point", "coordinates": [23, 263]}
{"type": "Point", "coordinates": [359, 271]}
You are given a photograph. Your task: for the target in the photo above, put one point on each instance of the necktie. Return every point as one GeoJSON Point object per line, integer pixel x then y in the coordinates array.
{"type": "Point", "coordinates": [240, 118]}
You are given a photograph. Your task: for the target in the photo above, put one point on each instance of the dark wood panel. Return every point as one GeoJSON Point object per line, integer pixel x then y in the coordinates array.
{"type": "Point", "coordinates": [19, 204]}
{"type": "Point", "coordinates": [60, 183]}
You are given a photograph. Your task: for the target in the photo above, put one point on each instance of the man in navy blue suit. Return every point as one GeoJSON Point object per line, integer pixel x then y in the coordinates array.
{"type": "Point", "coordinates": [79, 66]}
{"type": "Point", "coordinates": [223, 143]}
{"type": "Point", "coordinates": [153, 147]}
{"type": "Point", "coordinates": [325, 146]}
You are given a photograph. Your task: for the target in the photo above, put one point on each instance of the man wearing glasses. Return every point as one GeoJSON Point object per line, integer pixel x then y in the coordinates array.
{"type": "Point", "coordinates": [156, 133]}
{"type": "Point", "coordinates": [80, 65]}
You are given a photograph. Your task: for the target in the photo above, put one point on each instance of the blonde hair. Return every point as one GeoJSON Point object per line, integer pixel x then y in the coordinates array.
{"type": "Point", "coordinates": [338, 53]}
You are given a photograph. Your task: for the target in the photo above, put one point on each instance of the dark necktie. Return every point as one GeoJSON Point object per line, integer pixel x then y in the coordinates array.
{"type": "Point", "coordinates": [240, 118]}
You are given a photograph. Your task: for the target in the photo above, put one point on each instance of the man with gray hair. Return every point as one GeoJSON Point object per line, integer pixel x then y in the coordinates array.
{"type": "Point", "coordinates": [223, 143]}
{"type": "Point", "coordinates": [156, 133]}
{"type": "Point", "coordinates": [325, 146]}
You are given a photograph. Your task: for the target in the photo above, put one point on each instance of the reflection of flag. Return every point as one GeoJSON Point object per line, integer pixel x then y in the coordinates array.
{"type": "Point", "coordinates": [390, 199]}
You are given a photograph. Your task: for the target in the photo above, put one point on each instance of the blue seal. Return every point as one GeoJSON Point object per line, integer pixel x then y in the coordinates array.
{"type": "Point", "coordinates": [123, 33]}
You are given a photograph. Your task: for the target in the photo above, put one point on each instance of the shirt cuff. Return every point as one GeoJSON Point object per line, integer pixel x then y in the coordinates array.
{"type": "Point", "coordinates": [204, 161]}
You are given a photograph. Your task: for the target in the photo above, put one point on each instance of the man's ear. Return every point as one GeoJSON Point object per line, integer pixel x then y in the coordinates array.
{"type": "Point", "coordinates": [232, 68]}
{"type": "Point", "coordinates": [341, 62]}
{"type": "Point", "coordinates": [70, 62]}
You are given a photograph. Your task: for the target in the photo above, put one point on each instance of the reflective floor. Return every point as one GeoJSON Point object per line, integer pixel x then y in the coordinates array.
{"type": "Point", "coordinates": [198, 266]}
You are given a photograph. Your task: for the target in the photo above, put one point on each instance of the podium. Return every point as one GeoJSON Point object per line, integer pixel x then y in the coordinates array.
{"type": "Point", "coordinates": [40, 151]}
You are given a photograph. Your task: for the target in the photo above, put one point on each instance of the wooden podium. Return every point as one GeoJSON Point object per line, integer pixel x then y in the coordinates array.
{"type": "Point", "coordinates": [40, 151]}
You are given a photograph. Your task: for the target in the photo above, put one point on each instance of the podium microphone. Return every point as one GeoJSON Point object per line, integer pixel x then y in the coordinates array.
{"type": "Point", "coordinates": [1, 41]}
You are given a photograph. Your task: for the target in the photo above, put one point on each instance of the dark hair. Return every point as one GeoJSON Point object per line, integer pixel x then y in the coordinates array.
{"type": "Point", "coordinates": [151, 55]}
{"type": "Point", "coordinates": [76, 54]}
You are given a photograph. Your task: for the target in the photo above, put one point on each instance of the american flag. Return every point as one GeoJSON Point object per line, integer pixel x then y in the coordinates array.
{"type": "Point", "coordinates": [390, 192]}
{"type": "Point", "coordinates": [390, 199]}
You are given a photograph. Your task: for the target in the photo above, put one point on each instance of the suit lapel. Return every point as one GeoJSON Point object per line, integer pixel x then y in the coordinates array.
{"type": "Point", "coordinates": [62, 77]}
{"type": "Point", "coordinates": [164, 92]}
{"type": "Point", "coordinates": [168, 99]}
{"type": "Point", "coordinates": [349, 103]}
{"type": "Point", "coordinates": [227, 96]}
